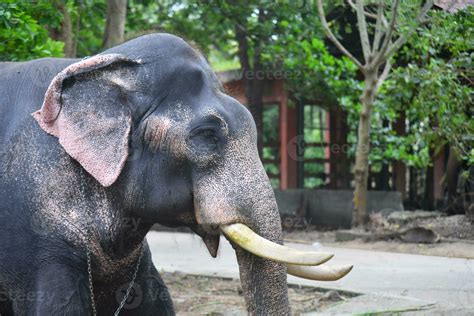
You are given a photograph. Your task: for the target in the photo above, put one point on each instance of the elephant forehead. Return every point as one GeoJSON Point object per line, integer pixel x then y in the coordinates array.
{"type": "Point", "coordinates": [167, 133]}
{"type": "Point", "coordinates": [156, 131]}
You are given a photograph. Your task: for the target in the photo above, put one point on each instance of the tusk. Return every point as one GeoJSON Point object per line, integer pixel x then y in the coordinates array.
{"type": "Point", "coordinates": [321, 273]}
{"type": "Point", "coordinates": [259, 246]}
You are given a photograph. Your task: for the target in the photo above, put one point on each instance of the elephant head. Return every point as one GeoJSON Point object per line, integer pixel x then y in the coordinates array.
{"type": "Point", "coordinates": [150, 118]}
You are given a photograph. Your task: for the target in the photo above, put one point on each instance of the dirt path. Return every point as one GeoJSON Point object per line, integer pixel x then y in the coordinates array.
{"type": "Point", "coordinates": [455, 235]}
{"type": "Point", "coordinates": [442, 249]}
{"type": "Point", "coordinates": [199, 295]}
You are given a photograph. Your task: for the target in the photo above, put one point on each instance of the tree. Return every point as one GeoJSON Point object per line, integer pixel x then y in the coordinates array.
{"type": "Point", "coordinates": [433, 91]}
{"type": "Point", "coordinates": [436, 78]}
{"type": "Point", "coordinates": [82, 26]}
{"type": "Point", "coordinates": [115, 22]}
{"type": "Point", "coordinates": [376, 55]}
{"type": "Point", "coordinates": [65, 32]}
{"type": "Point", "coordinates": [23, 31]}
{"type": "Point", "coordinates": [89, 26]}
{"type": "Point", "coordinates": [236, 30]}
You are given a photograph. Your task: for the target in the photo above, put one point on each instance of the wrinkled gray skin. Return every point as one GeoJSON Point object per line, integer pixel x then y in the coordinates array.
{"type": "Point", "coordinates": [192, 160]}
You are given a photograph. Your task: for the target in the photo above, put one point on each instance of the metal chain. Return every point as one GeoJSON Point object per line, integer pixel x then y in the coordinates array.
{"type": "Point", "coordinates": [87, 237]}
{"type": "Point", "coordinates": [89, 272]}
{"type": "Point", "coordinates": [89, 265]}
{"type": "Point", "coordinates": [130, 286]}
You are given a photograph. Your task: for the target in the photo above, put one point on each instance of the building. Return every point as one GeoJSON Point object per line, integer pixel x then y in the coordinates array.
{"type": "Point", "coordinates": [306, 141]}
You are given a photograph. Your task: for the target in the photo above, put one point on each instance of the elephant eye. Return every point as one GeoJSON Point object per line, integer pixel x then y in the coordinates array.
{"type": "Point", "coordinates": [204, 140]}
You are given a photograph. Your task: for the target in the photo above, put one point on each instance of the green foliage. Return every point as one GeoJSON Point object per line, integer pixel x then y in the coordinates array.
{"type": "Point", "coordinates": [313, 74]}
{"type": "Point", "coordinates": [23, 31]}
{"type": "Point", "coordinates": [199, 22]}
{"type": "Point", "coordinates": [433, 86]}
{"type": "Point", "coordinates": [222, 62]}
{"type": "Point", "coordinates": [431, 80]}
{"type": "Point", "coordinates": [91, 25]}
{"type": "Point", "coordinates": [290, 40]}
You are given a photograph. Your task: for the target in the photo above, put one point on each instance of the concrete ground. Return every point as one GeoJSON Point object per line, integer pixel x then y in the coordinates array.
{"type": "Point", "coordinates": [389, 282]}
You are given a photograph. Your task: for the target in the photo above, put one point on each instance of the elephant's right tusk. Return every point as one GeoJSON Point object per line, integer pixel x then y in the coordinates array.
{"type": "Point", "coordinates": [321, 273]}
{"type": "Point", "coordinates": [259, 246]}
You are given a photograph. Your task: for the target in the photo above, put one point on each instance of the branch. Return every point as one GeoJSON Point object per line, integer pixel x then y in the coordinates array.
{"type": "Point", "coordinates": [233, 19]}
{"type": "Point", "coordinates": [243, 49]}
{"type": "Point", "coordinates": [384, 74]}
{"type": "Point", "coordinates": [378, 27]}
{"type": "Point", "coordinates": [388, 34]}
{"type": "Point", "coordinates": [333, 38]}
{"type": "Point", "coordinates": [368, 14]}
{"type": "Point", "coordinates": [364, 36]}
{"type": "Point", "coordinates": [420, 19]}
{"type": "Point", "coordinates": [450, 6]}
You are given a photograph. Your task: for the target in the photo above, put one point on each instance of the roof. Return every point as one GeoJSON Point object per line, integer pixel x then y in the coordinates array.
{"type": "Point", "coordinates": [453, 5]}
{"type": "Point", "coordinates": [229, 75]}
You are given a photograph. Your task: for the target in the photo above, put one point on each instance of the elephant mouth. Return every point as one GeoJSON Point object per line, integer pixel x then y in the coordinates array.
{"type": "Point", "coordinates": [212, 243]}
{"type": "Point", "coordinates": [210, 238]}
{"type": "Point", "coordinates": [303, 264]}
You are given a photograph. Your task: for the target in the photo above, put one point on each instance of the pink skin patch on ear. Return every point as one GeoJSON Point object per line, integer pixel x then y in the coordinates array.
{"type": "Point", "coordinates": [90, 146]}
{"type": "Point", "coordinates": [52, 99]}
{"type": "Point", "coordinates": [101, 158]}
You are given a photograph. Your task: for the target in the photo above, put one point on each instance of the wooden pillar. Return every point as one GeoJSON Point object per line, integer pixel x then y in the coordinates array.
{"type": "Point", "coordinates": [399, 168]}
{"type": "Point", "coordinates": [283, 142]}
{"type": "Point", "coordinates": [340, 175]}
{"type": "Point", "coordinates": [288, 133]}
{"type": "Point", "coordinates": [439, 169]}
{"type": "Point", "coordinates": [399, 178]}
{"type": "Point", "coordinates": [290, 152]}
{"type": "Point", "coordinates": [327, 149]}
{"type": "Point", "coordinates": [428, 197]}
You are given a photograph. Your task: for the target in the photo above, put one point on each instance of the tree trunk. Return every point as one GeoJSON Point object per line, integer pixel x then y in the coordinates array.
{"type": "Point", "coordinates": [65, 34]}
{"type": "Point", "coordinates": [115, 22]}
{"type": "Point", "coordinates": [254, 81]}
{"type": "Point", "coordinates": [361, 169]}
{"type": "Point", "coordinates": [77, 27]}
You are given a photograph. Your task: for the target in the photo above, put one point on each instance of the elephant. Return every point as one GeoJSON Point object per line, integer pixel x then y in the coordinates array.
{"type": "Point", "coordinates": [141, 133]}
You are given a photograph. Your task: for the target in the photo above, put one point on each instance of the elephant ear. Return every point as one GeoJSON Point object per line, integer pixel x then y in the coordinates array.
{"type": "Point", "coordinates": [86, 108]}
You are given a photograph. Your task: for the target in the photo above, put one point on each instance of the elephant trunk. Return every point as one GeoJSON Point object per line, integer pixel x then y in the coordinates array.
{"type": "Point", "coordinates": [264, 281]}
{"type": "Point", "coordinates": [227, 203]}
{"type": "Point", "coordinates": [263, 284]}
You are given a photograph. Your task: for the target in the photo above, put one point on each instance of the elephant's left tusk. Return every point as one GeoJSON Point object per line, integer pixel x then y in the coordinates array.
{"type": "Point", "coordinates": [261, 247]}
{"type": "Point", "coordinates": [320, 273]}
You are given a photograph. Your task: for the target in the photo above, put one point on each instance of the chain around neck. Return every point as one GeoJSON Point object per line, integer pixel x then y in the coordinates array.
{"type": "Point", "coordinates": [91, 286]}
{"type": "Point", "coordinates": [89, 266]}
